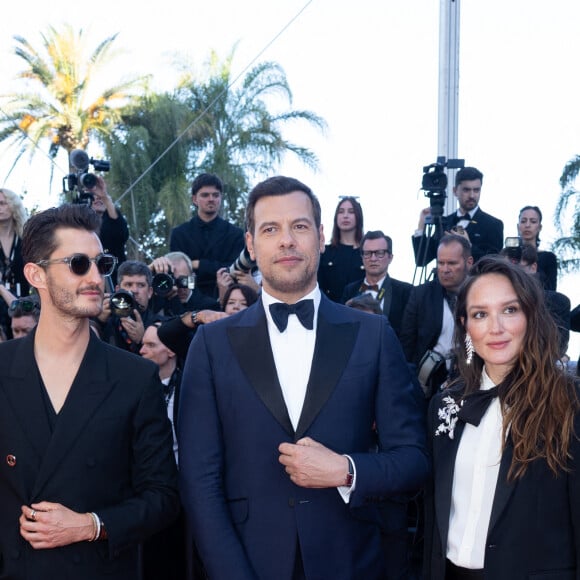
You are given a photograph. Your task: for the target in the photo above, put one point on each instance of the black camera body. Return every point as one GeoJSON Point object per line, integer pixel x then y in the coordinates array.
{"type": "Point", "coordinates": [513, 247]}
{"type": "Point", "coordinates": [79, 182]}
{"type": "Point", "coordinates": [243, 264]}
{"type": "Point", "coordinates": [434, 182]}
{"type": "Point", "coordinates": [164, 282]}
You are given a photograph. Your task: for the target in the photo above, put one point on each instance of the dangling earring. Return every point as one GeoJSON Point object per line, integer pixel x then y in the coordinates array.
{"type": "Point", "coordinates": [468, 348]}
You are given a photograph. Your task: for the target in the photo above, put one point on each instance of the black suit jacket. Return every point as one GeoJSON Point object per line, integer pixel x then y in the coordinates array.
{"type": "Point", "coordinates": [422, 320]}
{"type": "Point", "coordinates": [247, 516]}
{"type": "Point", "coordinates": [110, 452]}
{"type": "Point", "coordinates": [400, 292]}
{"type": "Point", "coordinates": [485, 234]}
{"type": "Point", "coordinates": [534, 530]}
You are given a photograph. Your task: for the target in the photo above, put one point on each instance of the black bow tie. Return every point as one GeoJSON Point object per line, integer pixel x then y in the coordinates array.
{"type": "Point", "coordinates": [366, 287]}
{"type": "Point", "coordinates": [475, 405]}
{"type": "Point", "coordinates": [303, 309]}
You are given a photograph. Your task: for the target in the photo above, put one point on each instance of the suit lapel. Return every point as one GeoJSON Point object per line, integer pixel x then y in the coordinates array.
{"type": "Point", "coordinates": [387, 292]}
{"type": "Point", "coordinates": [90, 387]}
{"type": "Point", "coordinates": [25, 397]}
{"type": "Point", "coordinates": [332, 350]}
{"type": "Point", "coordinates": [250, 344]}
{"type": "Point", "coordinates": [504, 488]}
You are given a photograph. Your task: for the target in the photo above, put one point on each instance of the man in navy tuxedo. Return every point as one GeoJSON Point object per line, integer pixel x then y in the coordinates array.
{"type": "Point", "coordinates": [282, 407]}
{"type": "Point", "coordinates": [484, 232]}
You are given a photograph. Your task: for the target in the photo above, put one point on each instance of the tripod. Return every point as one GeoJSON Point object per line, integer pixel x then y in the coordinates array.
{"type": "Point", "coordinates": [427, 246]}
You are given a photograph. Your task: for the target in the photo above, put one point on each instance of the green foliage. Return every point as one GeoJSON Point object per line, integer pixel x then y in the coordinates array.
{"type": "Point", "coordinates": [568, 246]}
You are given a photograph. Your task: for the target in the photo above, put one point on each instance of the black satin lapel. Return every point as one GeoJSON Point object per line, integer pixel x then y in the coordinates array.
{"type": "Point", "coordinates": [444, 458]}
{"type": "Point", "coordinates": [503, 488]}
{"type": "Point", "coordinates": [86, 394]}
{"type": "Point", "coordinates": [332, 350]}
{"type": "Point", "coordinates": [251, 346]}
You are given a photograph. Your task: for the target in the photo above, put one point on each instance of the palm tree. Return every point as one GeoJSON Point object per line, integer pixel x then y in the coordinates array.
{"type": "Point", "coordinates": [59, 104]}
{"type": "Point", "coordinates": [568, 246]}
{"type": "Point", "coordinates": [244, 137]}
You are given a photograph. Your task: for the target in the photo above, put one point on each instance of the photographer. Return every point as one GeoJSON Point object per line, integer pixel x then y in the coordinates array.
{"type": "Point", "coordinates": [128, 311]}
{"type": "Point", "coordinates": [114, 231]}
{"type": "Point", "coordinates": [174, 286]}
{"type": "Point", "coordinates": [482, 230]}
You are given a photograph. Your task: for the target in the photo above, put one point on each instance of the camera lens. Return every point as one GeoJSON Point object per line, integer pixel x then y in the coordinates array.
{"type": "Point", "coordinates": [123, 303]}
{"type": "Point", "coordinates": [88, 180]}
{"type": "Point", "coordinates": [163, 284]}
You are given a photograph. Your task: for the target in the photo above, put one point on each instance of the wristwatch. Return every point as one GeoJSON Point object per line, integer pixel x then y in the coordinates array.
{"type": "Point", "coordinates": [350, 475]}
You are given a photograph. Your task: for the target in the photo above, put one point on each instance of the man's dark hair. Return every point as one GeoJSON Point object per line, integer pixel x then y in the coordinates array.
{"type": "Point", "coordinates": [279, 185]}
{"type": "Point", "coordinates": [206, 180]}
{"type": "Point", "coordinates": [448, 239]}
{"type": "Point", "coordinates": [134, 268]}
{"type": "Point", "coordinates": [468, 174]}
{"type": "Point", "coordinates": [377, 235]}
{"type": "Point", "coordinates": [366, 303]}
{"type": "Point", "coordinates": [38, 237]}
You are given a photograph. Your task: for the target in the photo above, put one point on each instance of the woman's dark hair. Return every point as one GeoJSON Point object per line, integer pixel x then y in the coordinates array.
{"type": "Point", "coordinates": [537, 210]}
{"type": "Point", "coordinates": [250, 294]}
{"type": "Point", "coordinates": [539, 400]}
{"type": "Point", "coordinates": [358, 214]}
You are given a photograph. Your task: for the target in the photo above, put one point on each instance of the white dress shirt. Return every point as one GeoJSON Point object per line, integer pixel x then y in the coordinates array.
{"type": "Point", "coordinates": [474, 482]}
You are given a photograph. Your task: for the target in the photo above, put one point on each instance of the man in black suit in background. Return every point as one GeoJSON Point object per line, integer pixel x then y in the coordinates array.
{"type": "Point", "coordinates": [484, 232]}
{"type": "Point", "coordinates": [392, 295]}
{"type": "Point", "coordinates": [428, 322]}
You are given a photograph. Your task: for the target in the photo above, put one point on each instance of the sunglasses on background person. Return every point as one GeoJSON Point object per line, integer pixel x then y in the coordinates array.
{"type": "Point", "coordinates": [80, 264]}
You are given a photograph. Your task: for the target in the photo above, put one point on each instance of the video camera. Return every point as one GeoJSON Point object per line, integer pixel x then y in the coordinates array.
{"type": "Point", "coordinates": [78, 183]}
{"type": "Point", "coordinates": [434, 182]}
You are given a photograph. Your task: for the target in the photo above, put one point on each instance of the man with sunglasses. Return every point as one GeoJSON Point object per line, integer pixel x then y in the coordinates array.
{"type": "Point", "coordinates": [88, 467]}
{"type": "Point", "coordinates": [24, 314]}
{"type": "Point", "coordinates": [377, 254]}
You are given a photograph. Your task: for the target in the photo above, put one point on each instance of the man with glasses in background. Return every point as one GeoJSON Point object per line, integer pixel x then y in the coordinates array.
{"type": "Point", "coordinates": [89, 471]}
{"type": "Point", "coordinates": [21, 313]}
{"type": "Point", "coordinates": [377, 254]}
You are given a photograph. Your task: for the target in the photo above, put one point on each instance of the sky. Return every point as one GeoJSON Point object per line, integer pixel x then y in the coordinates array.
{"type": "Point", "coordinates": [370, 69]}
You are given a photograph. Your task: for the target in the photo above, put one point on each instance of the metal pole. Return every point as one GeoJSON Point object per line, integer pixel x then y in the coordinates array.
{"type": "Point", "coordinates": [448, 89]}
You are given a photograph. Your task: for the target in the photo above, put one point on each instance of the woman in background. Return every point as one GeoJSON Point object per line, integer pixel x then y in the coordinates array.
{"type": "Point", "coordinates": [504, 502]}
{"type": "Point", "coordinates": [341, 262]}
{"type": "Point", "coordinates": [529, 227]}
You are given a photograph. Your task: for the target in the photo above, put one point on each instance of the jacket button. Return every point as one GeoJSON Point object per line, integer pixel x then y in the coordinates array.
{"type": "Point", "coordinates": [11, 460]}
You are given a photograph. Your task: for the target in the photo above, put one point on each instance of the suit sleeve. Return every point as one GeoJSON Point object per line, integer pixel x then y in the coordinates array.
{"type": "Point", "coordinates": [201, 463]}
{"type": "Point", "coordinates": [154, 503]}
{"type": "Point", "coordinates": [401, 464]}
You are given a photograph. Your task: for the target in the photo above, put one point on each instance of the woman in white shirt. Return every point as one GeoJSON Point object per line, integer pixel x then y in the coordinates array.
{"type": "Point", "coordinates": [504, 501]}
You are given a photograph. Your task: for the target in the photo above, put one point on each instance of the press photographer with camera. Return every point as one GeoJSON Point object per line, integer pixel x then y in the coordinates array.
{"type": "Point", "coordinates": [174, 286]}
{"type": "Point", "coordinates": [482, 230]}
{"type": "Point", "coordinates": [128, 310]}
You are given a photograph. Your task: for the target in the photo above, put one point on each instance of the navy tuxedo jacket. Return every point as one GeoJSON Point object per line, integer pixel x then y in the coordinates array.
{"type": "Point", "coordinates": [246, 515]}
{"type": "Point", "coordinates": [534, 530]}
{"type": "Point", "coordinates": [485, 234]}
{"type": "Point", "coordinates": [110, 452]}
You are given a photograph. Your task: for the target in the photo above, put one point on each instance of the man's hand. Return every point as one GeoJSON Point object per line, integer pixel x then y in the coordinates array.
{"type": "Point", "coordinates": [160, 265]}
{"type": "Point", "coordinates": [106, 311]}
{"type": "Point", "coordinates": [134, 328]}
{"type": "Point", "coordinates": [311, 464]}
{"type": "Point", "coordinates": [102, 200]}
{"type": "Point", "coordinates": [224, 280]}
{"type": "Point", "coordinates": [426, 211]}
{"type": "Point", "coordinates": [52, 525]}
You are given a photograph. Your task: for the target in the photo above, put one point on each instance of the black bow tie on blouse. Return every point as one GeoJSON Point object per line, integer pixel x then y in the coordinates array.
{"type": "Point", "coordinates": [475, 405]}
{"type": "Point", "coordinates": [303, 309]}
{"type": "Point", "coordinates": [364, 287]}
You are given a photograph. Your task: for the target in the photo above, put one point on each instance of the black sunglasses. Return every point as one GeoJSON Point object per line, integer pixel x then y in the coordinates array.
{"type": "Point", "coordinates": [80, 264]}
{"type": "Point", "coordinates": [24, 305]}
